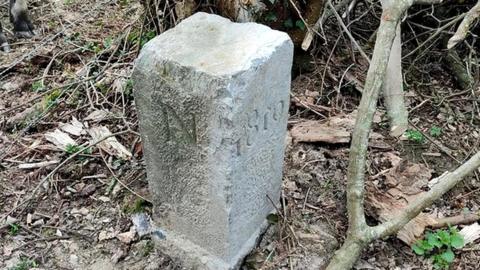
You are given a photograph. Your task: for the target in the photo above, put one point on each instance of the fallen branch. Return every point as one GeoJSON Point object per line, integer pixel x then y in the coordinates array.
{"type": "Point", "coordinates": [456, 220]}
{"type": "Point", "coordinates": [28, 166]}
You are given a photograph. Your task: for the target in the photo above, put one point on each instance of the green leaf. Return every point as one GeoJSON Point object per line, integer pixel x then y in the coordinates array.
{"type": "Point", "coordinates": [271, 17]}
{"type": "Point", "coordinates": [288, 23]}
{"type": "Point", "coordinates": [418, 249]}
{"type": "Point", "coordinates": [415, 136]}
{"type": "Point", "coordinates": [433, 240]}
{"type": "Point", "coordinates": [300, 25]}
{"type": "Point", "coordinates": [435, 131]}
{"type": "Point", "coordinates": [444, 237]}
{"type": "Point", "coordinates": [272, 218]}
{"type": "Point", "coordinates": [426, 245]}
{"type": "Point", "coordinates": [448, 256]}
{"type": "Point", "coordinates": [457, 241]}
{"type": "Point", "coordinates": [272, 1]}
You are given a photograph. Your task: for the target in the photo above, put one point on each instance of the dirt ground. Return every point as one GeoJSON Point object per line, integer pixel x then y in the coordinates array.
{"type": "Point", "coordinates": [77, 214]}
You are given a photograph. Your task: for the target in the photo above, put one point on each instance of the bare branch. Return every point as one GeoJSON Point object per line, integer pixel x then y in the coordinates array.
{"type": "Point", "coordinates": [443, 184]}
{"type": "Point", "coordinates": [428, 2]}
{"type": "Point", "coordinates": [464, 26]}
{"type": "Point", "coordinates": [344, 27]}
{"type": "Point", "coordinates": [307, 41]}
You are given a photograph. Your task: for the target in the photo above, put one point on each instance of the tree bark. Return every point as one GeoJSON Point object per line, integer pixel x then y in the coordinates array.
{"type": "Point", "coordinates": [393, 89]}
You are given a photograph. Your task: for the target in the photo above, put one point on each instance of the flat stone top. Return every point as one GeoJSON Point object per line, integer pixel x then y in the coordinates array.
{"type": "Point", "coordinates": [215, 45]}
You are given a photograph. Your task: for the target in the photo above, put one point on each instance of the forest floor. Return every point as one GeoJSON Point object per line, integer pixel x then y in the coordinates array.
{"type": "Point", "coordinates": [70, 85]}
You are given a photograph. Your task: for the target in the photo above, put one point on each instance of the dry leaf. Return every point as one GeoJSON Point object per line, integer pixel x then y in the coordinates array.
{"type": "Point", "coordinates": [60, 139]}
{"type": "Point", "coordinates": [110, 145]}
{"type": "Point", "coordinates": [470, 233]}
{"type": "Point", "coordinates": [97, 115]}
{"type": "Point", "coordinates": [75, 127]}
{"type": "Point", "coordinates": [406, 181]}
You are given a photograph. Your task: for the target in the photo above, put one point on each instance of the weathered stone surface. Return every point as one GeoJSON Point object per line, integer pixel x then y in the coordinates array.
{"type": "Point", "coordinates": [212, 98]}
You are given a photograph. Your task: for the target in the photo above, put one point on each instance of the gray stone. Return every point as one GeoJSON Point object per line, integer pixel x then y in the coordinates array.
{"type": "Point", "coordinates": [212, 98]}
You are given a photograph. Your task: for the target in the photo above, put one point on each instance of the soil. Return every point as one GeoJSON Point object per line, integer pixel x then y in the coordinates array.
{"type": "Point", "coordinates": [79, 217]}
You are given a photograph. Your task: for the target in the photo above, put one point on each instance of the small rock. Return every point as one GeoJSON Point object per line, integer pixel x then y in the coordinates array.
{"type": "Point", "coordinates": [72, 190]}
{"type": "Point", "coordinates": [127, 237]}
{"type": "Point", "coordinates": [142, 224]}
{"type": "Point", "coordinates": [104, 198]}
{"type": "Point", "coordinates": [73, 260]}
{"type": "Point", "coordinates": [79, 186]}
{"type": "Point", "coordinates": [58, 233]}
{"type": "Point", "coordinates": [82, 211]}
{"type": "Point", "coordinates": [105, 235]}
{"type": "Point", "coordinates": [88, 190]}
{"type": "Point", "coordinates": [89, 217]}
{"type": "Point", "coordinates": [106, 220]}
{"type": "Point", "coordinates": [7, 250]}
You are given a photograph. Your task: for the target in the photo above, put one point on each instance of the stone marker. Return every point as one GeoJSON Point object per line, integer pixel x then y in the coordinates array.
{"type": "Point", "coordinates": [212, 99]}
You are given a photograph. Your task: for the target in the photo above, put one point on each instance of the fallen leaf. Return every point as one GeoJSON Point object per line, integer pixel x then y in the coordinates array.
{"type": "Point", "coordinates": [470, 233]}
{"type": "Point", "coordinates": [410, 178]}
{"type": "Point", "coordinates": [97, 115]}
{"type": "Point", "coordinates": [60, 139]}
{"type": "Point", "coordinates": [406, 181]}
{"type": "Point", "coordinates": [110, 145]}
{"type": "Point", "coordinates": [75, 127]}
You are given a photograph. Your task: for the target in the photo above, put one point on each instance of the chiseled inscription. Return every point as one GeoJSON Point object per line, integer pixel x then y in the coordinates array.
{"type": "Point", "coordinates": [261, 119]}
{"type": "Point", "coordinates": [178, 127]}
{"type": "Point", "coordinates": [258, 123]}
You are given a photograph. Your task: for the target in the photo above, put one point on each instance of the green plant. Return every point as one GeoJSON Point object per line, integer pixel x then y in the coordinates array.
{"type": "Point", "coordinates": [271, 17]}
{"type": "Point", "coordinates": [72, 148]}
{"type": "Point", "coordinates": [134, 37]}
{"type": "Point", "coordinates": [124, 3]}
{"type": "Point", "coordinates": [14, 228]}
{"type": "Point", "coordinates": [38, 86]}
{"type": "Point", "coordinates": [415, 136]}
{"type": "Point", "coordinates": [51, 99]}
{"type": "Point", "coordinates": [300, 25]}
{"type": "Point", "coordinates": [435, 131]}
{"type": "Point", "coordinates": [273, 218]}
{"type": "Point", "coordinates": [128, 90]}
{"type": "Point", "coordinates": [139, 205]}
{"type": "Point", "coordinates": [107, 43]}
{"type": "Point", "coordinates": [439, 246]}
{"type": "Point", "coordinates": [94, 47]}
{"type": "Point", "coordinates": [288, 23]}
{"type": "Point", "coordinates": [147, 248]}
{"type": "Point", "coordinates": [24, 264]}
